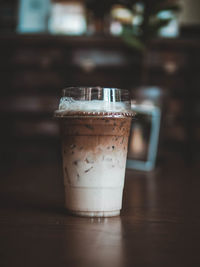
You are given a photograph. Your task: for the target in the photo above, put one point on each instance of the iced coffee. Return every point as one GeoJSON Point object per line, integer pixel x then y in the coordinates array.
{"type": "Point", "coordinates": [95, 124]}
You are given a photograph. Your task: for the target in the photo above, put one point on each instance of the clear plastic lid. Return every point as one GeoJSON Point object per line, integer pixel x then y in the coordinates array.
{"type": "Point", "coordinates": [94, 100]}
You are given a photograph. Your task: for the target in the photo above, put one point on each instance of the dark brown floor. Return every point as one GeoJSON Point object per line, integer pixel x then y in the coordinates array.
{"type": "Point", "coordinates": [159, 224]}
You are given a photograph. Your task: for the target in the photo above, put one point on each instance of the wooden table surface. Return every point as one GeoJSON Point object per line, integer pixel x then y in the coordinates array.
{"type": "Point", "coordinates": [159, 224]}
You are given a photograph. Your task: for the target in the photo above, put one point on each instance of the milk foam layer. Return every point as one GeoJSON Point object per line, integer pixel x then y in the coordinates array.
{"type": "Point", "coordinates": [69, 104]}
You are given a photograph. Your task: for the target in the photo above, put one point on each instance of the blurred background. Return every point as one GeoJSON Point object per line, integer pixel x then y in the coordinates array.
{"type": "Point", "coordinates": [150, 47]}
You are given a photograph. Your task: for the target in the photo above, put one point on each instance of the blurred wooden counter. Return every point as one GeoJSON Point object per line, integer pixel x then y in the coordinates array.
{"type": "Point", "coordinates": [159, 225]}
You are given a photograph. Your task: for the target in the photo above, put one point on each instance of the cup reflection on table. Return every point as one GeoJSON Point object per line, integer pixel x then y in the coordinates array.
{"type": "Point", "coordinates": [94, 242]}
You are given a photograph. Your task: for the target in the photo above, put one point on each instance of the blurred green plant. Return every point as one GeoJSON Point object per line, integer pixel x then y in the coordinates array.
{"type": "Point", "coordinates": [151, 22]}
{"type": "Point", "coordinates": [145, 11]}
